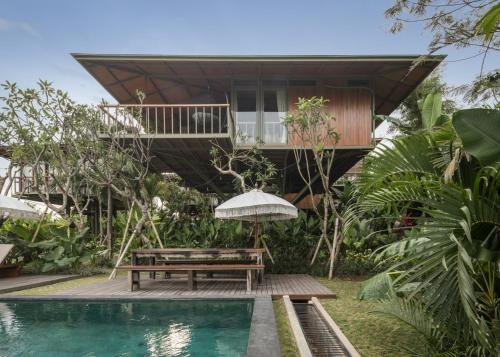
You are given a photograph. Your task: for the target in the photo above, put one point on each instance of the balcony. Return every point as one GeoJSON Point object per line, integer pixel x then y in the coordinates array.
{"type": "Point", "coordinates": [26, 187]}
{"type": "Point", "coordinates": [168, 120]}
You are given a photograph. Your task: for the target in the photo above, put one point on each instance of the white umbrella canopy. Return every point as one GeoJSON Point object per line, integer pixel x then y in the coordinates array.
{"type": "Point", "coordinates": [17, 208]}
{"type": "Point", "coordinates": [255, 206]}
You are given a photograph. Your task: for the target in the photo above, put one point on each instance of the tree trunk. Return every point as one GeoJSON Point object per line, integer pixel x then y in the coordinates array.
{"type": "Point", "coordinates": [333, 253]}
{"type": "Point", "coordinates": [101, 233]}
{"type": "Point", "coordinates": [39, 225]}
{"type": "Point", "coordinates": [109, 226]}
{"type": "Point", "coordinates": [137, 231]}
{"type": "Point", "coordinates": [9, 179]}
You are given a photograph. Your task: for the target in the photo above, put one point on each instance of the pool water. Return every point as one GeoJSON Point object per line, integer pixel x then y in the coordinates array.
{"type": "Point", "coordinates": [146, 328]}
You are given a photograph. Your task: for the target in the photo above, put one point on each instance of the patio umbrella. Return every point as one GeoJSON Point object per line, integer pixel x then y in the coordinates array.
{"type": "Point", "coordinates": [16, 208]}
{"type": "Point", "coordinates": [256, 206]}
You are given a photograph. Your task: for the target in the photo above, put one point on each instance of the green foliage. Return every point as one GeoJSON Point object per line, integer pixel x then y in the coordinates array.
{"type": "Point", "coordinates": [292, 244]}
{"type": "Point", "coordinates": [358, 263]}
{"type": "Point", "coordinates": [431, 92]}
{"type": "Point", "coordinates": [457, 23]}
{"type": "Point", "coordinates": [448, 262]}
{"type": "Point", "coordinates": [415, 315]}
{"type": "Point", "coordinates": [44, 130]}
{"type": "Point", "coordinates": [430, 108]}
{"type": "Point", "coordinates": [479, 131]}
{"type": "Point", "coordinates": [379, 286]}
{"type": "Point", "coordinates": [488, 24]}
{"type": "Point", "coordinates": [58, 248]}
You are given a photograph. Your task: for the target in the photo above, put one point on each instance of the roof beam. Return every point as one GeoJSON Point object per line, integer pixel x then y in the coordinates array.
{"type": "Point", "coordinates": [181, 79]}
{"type": "Point", "coordinates": [146, 77]}
{"type": "Point", "coordinates": [206, 180]}
{"type": "Point", "coordinates": [121, 84]}
{"type": "Point", "coordinates": [120, 81]}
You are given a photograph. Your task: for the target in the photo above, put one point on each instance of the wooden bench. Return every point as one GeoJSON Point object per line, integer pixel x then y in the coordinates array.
{"type": "Point", "coordinates": [191, 269]}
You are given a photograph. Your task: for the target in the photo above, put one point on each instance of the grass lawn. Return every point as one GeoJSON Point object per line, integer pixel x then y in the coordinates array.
{"type": "Point", "coordinates": [371, 334]}
{"type": "Point", "coordinates": [287, 341]}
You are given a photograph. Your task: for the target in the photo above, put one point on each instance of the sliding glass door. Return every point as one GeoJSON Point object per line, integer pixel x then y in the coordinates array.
{"type": "Point", "coordinates": [246, 116]}
{"type": "Point", "coordinates": [274, 110]}
{"type": "Point", "coordinates": [259, 114]}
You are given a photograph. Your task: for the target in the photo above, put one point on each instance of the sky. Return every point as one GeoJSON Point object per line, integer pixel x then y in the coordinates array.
{"type": "Point", "coordinates": [37, 37]}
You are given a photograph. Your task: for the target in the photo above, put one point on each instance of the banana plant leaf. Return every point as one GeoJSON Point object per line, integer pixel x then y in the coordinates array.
{"type": "Point", "coordinates": [479, 130]}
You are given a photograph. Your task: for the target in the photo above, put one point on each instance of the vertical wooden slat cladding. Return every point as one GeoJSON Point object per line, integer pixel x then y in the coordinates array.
{"type": "Point", "coordinates": [351, 108]}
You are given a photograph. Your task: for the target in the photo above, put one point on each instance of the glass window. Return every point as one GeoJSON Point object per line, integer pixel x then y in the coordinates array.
{"type": "Point", "coordinates": [260, 113]}
{"type": "Point", "coordinates": [275, 108]}
{"type": "Point", "coordinates": [246, 116]}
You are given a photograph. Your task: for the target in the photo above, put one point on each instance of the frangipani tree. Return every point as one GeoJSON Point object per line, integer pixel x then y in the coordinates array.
{"type": "Point", "coordinates": [314, 143]}
{"type": "Point", "coordinates": [45, 131]}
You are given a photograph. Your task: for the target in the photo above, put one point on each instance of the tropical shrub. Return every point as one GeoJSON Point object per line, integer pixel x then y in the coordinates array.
{"type": "Point", "coordinates": [59, 247]}
{"type": "Point", "coordinates": [358, 263]}
{"type": "Point", "coordinates": [292, 244]}
{"type": "Point", "coordinates": [448, 268]}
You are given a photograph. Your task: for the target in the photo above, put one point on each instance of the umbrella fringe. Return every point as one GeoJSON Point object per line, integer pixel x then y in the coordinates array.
{"type": "Point", "coordinates": [262, 211]}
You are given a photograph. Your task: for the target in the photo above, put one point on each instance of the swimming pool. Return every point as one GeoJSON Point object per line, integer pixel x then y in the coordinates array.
{"type": "Point", "coordinates": [125, 328]}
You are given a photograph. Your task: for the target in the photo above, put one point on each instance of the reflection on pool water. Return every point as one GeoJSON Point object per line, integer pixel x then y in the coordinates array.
{"type": "Point", "coordinates": [145, 328]}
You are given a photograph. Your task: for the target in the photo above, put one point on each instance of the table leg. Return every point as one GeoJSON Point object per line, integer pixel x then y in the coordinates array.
{"type": "Point", "coordinates": [130, 280]}
{"type": "Point", "coordinates": [135, 280]}
{"type": "Point", "coordinates": [191, 279]}
{"type": "Point", "coordinates": [249, 280]}
{"type": "Point", "coordinates": [260, 273]}
{"type": "Point", "coordinates": [152, 274]}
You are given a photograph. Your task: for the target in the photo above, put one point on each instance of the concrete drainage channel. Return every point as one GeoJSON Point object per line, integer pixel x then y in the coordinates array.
{"type": "Point", "coordinates": [315, 331]}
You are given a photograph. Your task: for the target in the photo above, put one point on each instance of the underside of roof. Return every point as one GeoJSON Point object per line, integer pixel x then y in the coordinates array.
{"type": "Point", "coordinates": [207, 79]}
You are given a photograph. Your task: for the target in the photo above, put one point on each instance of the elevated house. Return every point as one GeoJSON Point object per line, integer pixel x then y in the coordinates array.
{"type": "Point", "coordinates": [194, 100]}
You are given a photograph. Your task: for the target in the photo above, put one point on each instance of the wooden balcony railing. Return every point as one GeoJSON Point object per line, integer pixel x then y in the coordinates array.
{"type": "Point", "coordinates": [26, 185]}
{"type": "Point", "coordinates": [168, 119]}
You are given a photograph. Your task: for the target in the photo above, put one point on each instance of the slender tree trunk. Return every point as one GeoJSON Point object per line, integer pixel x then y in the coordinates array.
{"type": "Point", "coordinates": [324, 231]}
{"type": "Point", "coordinates": [9, 179]}
{"type": "Point", "coordinates": [129, 219]}
{"type": "Point", "coordinates": [155, 231]}
{"type": "Point", "coordinates": [333, 253]}
{"type": "Point", "coordinates": [39, 225]}
{"type": "Point", "coordinates": [101, 233]}
{"type": "Point", "coordinates": [109, 225]}
{"type": "Point", "coordinates": [256, 235]}
{"type": "Point", "coordinates": [137, 231]}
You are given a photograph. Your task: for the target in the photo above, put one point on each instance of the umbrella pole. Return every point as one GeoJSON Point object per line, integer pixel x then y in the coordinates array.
{"type": "Point", "coordinates": [257, 240]}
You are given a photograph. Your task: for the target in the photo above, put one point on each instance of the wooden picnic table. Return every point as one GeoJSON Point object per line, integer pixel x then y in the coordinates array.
{"type": "Point", "coordinates": [135, 271]}
{"type": "Point", "coordinates": [204, 257]}
{"type": "Point", "coordinates": [208, 254]}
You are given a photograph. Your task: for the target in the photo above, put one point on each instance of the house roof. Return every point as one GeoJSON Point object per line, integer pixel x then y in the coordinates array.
{"type": "Point", "coordinates": [181, 79]}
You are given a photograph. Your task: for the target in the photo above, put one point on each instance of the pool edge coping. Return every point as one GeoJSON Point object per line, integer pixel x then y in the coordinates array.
{"type": "Point", "coordinates": [263, 339]}
{"type": "Point", "coordinates": [64, 297]}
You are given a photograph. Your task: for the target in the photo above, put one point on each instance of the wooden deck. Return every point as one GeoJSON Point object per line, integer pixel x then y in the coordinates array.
{"type": "Point", "coordinates": [31, 281]}
{"type": "Point", "coordinates": [297, 286]}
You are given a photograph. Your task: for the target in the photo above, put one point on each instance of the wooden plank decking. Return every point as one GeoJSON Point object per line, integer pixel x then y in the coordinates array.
{"type": "Point", "coordinates": [297, 286]}
{"type": "Point", "coordinates": [31, 281]}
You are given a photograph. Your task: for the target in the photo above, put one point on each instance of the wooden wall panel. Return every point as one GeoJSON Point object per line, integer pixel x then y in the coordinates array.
{"type": "Point", "coordinates": [351, 108]}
